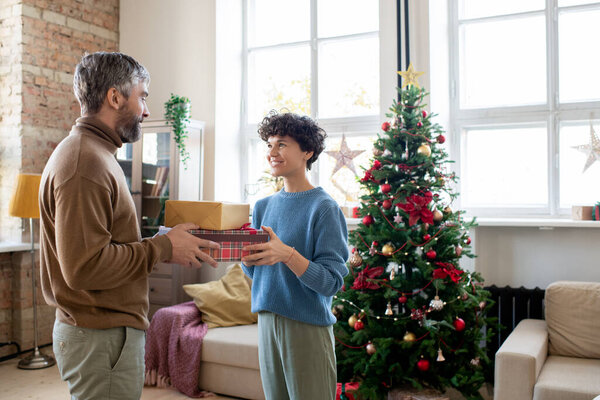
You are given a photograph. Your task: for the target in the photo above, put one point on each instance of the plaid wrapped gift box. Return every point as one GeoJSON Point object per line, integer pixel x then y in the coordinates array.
{"type": "Point", "coordinates": [231, 241]}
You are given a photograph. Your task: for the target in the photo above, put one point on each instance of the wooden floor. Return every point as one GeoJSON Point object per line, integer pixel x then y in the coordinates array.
{"type": "Point", "coordinates": [45, 384]}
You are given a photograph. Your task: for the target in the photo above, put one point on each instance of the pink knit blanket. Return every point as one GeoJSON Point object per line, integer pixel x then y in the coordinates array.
{"type": "Point", "coordinates": [174, 349]}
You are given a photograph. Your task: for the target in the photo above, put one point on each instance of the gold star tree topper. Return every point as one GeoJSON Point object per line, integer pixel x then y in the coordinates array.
{"type": "Point", "coordinates": [344, 157]}
{"type": "Point", "coordinates": [592, 149]}
{"type": "Point", "coordinates": [410, 77]}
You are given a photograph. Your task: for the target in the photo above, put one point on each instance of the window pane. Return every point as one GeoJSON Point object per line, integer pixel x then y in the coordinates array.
{"type": "Point", "coordinates": [503, 63]}
{"type": "Point", "coordinates": [566, 3]}
{"type": "Point", "coordinates": [505, 167]}
{"type": "Point", "coordinates": [278, 21]}
{"type": "Point", "coordinates": [260, 181]}
{"type": "Point", "coordinates": [344, 17]}
{"type": "Point", "coordinates": [486, 8]}
{"type": "Point", "coordinates": [343, 186]}
{"type": "Point", "coordinates": [578, 62]}
{"type": "Point", "coordinates": [278, 78]}
{"type": "Point", "coordinates": [576, 186]}
{"type": "Point", "coordinates": [349, 77]}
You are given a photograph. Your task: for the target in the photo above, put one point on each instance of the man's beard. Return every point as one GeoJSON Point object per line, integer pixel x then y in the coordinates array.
{"type": "Point", "coordinates": [128, 127]}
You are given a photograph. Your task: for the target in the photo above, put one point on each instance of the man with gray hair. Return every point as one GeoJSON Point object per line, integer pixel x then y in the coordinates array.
{"type": "Point", "coordinates": [94, 263]}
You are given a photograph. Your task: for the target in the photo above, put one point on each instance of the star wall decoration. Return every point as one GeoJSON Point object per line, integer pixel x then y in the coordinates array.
{"type": "Point", "coordinates": [344, 157]}
{"type": "Point", "coordinates": [410, 77]}
{"type": "Point", "coordinates": [592, 149]}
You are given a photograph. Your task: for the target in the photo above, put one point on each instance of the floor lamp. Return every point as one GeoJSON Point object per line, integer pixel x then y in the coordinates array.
{"type": "Point", "coordinates": [24, 204]}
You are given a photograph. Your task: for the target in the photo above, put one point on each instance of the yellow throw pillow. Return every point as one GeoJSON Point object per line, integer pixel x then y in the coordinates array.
{"type": "Point", "coordinates": [225, 302]}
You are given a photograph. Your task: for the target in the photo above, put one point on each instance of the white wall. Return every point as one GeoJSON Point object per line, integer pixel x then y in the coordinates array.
{"type": "Point", "coordinates": [176, 42]}
{"type": "Point", "coordinates": [528, 256]}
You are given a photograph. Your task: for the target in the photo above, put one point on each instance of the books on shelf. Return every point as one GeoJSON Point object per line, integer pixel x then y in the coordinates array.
{"type": "Point", "coordinates": [162, 174]}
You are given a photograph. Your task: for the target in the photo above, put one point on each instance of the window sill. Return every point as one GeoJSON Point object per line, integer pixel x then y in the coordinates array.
{"type": "Point", "coordinates": [10, 247]}
{"type": "Point", "coordinates": [543, 223]}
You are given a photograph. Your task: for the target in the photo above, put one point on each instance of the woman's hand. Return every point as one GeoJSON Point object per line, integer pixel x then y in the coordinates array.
{"type": "Point", "coordinates": [269, 253]}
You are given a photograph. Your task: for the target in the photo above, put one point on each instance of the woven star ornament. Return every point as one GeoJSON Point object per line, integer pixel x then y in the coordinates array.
{"type": "Point", "coordinates": [344, 157]}
{"type": "Point", "coordinates": [410, 76]}
{"type": "Point", "coordinates": [592, 149]}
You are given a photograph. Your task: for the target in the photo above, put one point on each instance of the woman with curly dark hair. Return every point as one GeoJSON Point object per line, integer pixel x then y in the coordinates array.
{"type": "Point", "coordinates": [297, 272]}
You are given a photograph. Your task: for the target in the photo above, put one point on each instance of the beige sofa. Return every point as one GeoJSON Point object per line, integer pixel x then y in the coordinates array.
{"type": "Point", "coordinates": [230, 362]}
{"type": "Point", "coordinates": [557, 358]}
{"type": "Point", "coordinates": [230, 355]}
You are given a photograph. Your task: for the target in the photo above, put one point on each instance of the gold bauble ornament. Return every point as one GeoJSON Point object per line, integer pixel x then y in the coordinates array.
{"type": "Point", "coordinates": [377, 152]}
{"type": "Point", "coordinates": [388, 249]}
{"type": "Point", "coordinates": [352, 320]}
{"type": "Point", "coordinates": [482, 305]}
{"type": "Point", "coordinates": [371, 348]}
{"type": "Point", "coordinates": [389, 310]}
{"type": "Point", "coordinates": [409, 337]}
{"type": "Point", "coordinates": [447, 210]}
{"type": "Point", "coordinates": [424, 150]}
{"type": "Point", "coordinates": [437, 216]}
{"type": "Point", "coordinates": [355, 260]}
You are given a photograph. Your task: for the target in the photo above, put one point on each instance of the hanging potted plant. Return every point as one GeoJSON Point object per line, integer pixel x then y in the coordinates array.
{"type": "Point", "coordinates": [177, 114]}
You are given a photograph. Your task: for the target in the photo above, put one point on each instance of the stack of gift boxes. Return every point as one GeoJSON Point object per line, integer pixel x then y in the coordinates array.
{"type": "Point", "coordinates": [586, 213]}
{"type": "Point", "coordinates": [224, 223]}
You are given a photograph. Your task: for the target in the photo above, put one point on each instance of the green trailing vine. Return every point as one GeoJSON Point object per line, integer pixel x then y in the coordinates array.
{"type": "Point", "coordinates": [177, 114]}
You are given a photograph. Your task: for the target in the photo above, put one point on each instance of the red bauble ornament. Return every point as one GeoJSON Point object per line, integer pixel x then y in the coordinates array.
{"type": "Point", "coordinates": [424, 114]}
{"type": "Point", "coordinates": [402, 299]}
{"type": "Point", "coordinates": [385, 126]}
{"type": "Point", "coordinates": [459, 324]}
{"type": "Point", "coordinates": [386, 188]}
{"type": "Point", "coordinates": [358, 325]}
{"type": "Point", "coordinates": [441, 139]}
{"type": "Point", "coordinates": [426, 237]}
{"type": "Point", "coordinates": [387, 204]}
{"type": "Point", "coordinates": [423, 364]}
{"type": "Point", "coordinates": [375, 243]}
{"type": "Point", "coordinates": [376, 164]}
{"type": "Point", "coordinates": [368, 220]}
{"type": "Point", "coordinates": [468, 240]}
{"type": "Point", "coordinates": [419, 124]}
{"type": "Point", "coordinates": [431, 254]}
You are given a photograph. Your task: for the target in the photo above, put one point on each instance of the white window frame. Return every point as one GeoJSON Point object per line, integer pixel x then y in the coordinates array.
{"type": "Point", "coordinates": [335, 127]}
{"type": "Point", "coordinates": [552, 113]}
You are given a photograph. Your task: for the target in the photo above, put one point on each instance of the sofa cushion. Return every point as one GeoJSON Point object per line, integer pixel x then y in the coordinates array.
{"type": "Point", "coordinates": [234, 345]}
{"type": "Point", "coordinates": [573, 319]}
{"type": "Point", "coordinates": [568, 378]}
{"type": "Point", "coordinates": [225, 302]}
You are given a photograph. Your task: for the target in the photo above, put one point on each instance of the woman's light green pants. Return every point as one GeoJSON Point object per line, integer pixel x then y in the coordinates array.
{"type": "Point", "coordinates": [297, 360]}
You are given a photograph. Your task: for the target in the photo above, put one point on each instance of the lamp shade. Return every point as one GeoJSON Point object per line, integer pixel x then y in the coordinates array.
{"type": "Point", "coordinates": [24, 203]}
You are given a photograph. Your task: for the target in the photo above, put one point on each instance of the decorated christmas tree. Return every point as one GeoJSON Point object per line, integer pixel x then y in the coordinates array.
{"type": "Point", "coordinates": [408, 314]}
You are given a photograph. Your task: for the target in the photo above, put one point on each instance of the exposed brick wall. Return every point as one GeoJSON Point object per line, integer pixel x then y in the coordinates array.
{"type": "Point", "coordinates": [11, 82]}
{"type": "Point", "coordinates": [41, 41]}
{"type": "Point", "coordinates": [6, 305]}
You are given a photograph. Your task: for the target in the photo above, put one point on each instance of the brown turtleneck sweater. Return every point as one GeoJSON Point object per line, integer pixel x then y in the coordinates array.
{"type": "Point", "coordinates": [94, 265]}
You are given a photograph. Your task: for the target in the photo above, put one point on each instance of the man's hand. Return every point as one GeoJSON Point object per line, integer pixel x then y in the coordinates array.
{"type": "Point", "coordinates": [186, 247]}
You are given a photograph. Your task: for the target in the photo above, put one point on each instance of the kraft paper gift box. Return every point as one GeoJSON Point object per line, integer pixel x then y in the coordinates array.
{"type": "Point", "coordinates": [211, 215]}
{"type": "Point", "coordinates": [581, 213]}
{"type": "Point", "coordinates": [231, 241]}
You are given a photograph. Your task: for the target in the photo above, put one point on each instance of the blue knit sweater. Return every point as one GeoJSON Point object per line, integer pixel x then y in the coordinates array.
{"type": "Point", "coordinates": [314, 225]}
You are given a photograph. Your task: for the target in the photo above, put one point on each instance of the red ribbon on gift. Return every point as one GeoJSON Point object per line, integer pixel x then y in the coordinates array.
{"type": "Point", "coordinates": [247, 227]}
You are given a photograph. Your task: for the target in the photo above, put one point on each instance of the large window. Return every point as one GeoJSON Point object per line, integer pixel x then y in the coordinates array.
{"type": "Point", "coordinates": [318, 58]}
{"type": "Point", "coordinates": [525, 99]}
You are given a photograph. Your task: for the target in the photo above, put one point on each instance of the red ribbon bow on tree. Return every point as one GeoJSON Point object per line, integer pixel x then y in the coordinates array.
{"type": "Point", "coordinates": [362, 279]}
{"type": "Point", "coordinates": [447, 270]}
{"type": "Point", "coordinates": [416, 207]}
